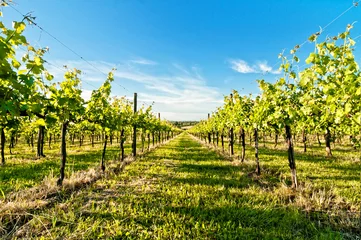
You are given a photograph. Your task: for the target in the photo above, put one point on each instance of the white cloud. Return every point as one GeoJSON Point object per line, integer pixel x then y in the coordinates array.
{"type": "Point", "coordinates": [143, 61]}
{"type": "Point", "coordinates": [177, 97]}
{"type": "Point", "coordinates": [86, 94]}
{"type": "Point", "coordinates": [265, 68]}
{"type": "Point", "coordinates": [242, 66]}
{"type": "Point", "coordinates": [181, 68]}
{"type": "Point", "coordinates": [182, 94]}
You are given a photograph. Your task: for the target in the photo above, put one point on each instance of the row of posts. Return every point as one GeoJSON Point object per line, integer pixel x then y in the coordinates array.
{"type": "Point", "coordinates": [231, 136]}
{"type": "Point", "coordinates": [134, 145]}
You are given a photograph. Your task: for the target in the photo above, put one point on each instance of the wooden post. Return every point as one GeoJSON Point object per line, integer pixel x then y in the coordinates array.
{"type": "Point", "coordinates": [135, 128]}
{"type": "Point", "coordinates": [231, 136]}
{"type": "Point", "coordinates": [258, 168]}
{"type": "Point", "coordinates": [209, 134]}
{"type": "Point", "coordinates": [2, 141]}
{"type": "Point", "coordinates": [243, 143]}
{"type": "Point", "coordinates": [291, 156]}
{"type": "Point", "coordinates": [159, 132]}
{"type": "Point", "coordinates": [64, 127]}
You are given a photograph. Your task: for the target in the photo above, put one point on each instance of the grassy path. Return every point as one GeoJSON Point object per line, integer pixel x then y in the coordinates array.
{"type": "Point", "coordinates": [179, 191]}
{"type": "Point", "coordinates": [23, 170]}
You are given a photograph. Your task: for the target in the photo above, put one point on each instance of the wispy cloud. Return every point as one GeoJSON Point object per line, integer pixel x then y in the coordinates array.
{"type": "Point", "coordinates": [242, 66]}
{"type": "Point", "coordinates": [184, 96]}
{"type": "Point", "coordinates": [86, 94]}
{"type": "Point", "coordinates": [181, 94]}
{"type": "Point", "coordinates": [181, 68]}
{"type": "Point", "coordinates": [143, 61]}
{"type": "Point", "coordinates": [264, 67]}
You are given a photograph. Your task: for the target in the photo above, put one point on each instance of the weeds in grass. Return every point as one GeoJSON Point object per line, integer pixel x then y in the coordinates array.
{"type": "Point", "coordinates": [17, 208]}
{"type": "Point", "coordinates": [184, 191]}
{"type": "Point", "coordinates": [22, 170]}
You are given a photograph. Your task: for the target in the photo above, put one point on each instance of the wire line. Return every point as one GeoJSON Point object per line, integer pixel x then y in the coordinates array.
{"type": "Point", "coordinates": [63, 44]}
{"type": "Point", "coordinates": [354, 4]}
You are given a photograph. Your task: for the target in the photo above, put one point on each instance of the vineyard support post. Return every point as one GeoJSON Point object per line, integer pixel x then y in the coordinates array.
{"type": "Point", "coordinates": [122, 140]}
{"type": "Point", "coordinates": [276, 140]}
{"type": "Point", "coordinates": [258, 168]}
{"type": "Point", "coordinates": [40, 143]}
{"type": "Point", "coordinates": [231, 141]}
{"type": "Point", "coordinates": [49, 141]}
{"type": "Point", "coordinates": [291, 156]}
{"type": "Point", "coordinates": [63, 152]}
{"type": "Point", "coordinates": [243, 143]}
{"type": "Point", "coordinates": [103, 154]}
{"type": "Point", "coordinates": [231, 134]}
{"type": "Point", "coordinates": [159, 133]}
{"type": "Point", "coordinates": [2, 141]}
{"type": "Point", "coordinates": [135, 128]}
{"type": "Point", "coordinates": [328, 142]}
{"type": "Point", "coordinates": [32, 142]}
{"type": "Point", "coordinates": [209, 133]}
{"type": "Point", "coordinates": [318, 139]}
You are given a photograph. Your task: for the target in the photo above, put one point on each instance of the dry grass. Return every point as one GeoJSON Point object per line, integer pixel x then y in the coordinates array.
{"type": "Point", "coordinates": [185, 191]}
{"type": "Point", "coordinates": [17, 208]}
{"type": "Point", "coordinates": [322, 203]}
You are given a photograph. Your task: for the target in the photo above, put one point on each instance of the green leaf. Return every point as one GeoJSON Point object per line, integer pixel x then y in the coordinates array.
{"type": "Point", "coordinates": [19, 27]}
{"type": "Point", "coordinates": [348, 108]}
{"type": "Point", "coordinates": [40, 122]}
{"type": "Point", "coordinates": [311, 58]}
{"type": "Point", "coordinates": [48, 76]}
{"type": "Point", "coordinates": [312, 38]}
{"type": "Point", "coordinates": [293, 75]}
{"type": "Point", "coordinates": [358, 91]}
{"type": "Point", "coordinates": [38, 61]}
{"type": "Point", "coordinates": [342, 35]}
{"type": "Point", "coordinates": [15, 64]}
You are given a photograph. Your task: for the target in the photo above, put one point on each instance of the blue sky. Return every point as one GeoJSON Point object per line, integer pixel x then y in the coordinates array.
{"type": "Point", "coordinates": [184, 55]}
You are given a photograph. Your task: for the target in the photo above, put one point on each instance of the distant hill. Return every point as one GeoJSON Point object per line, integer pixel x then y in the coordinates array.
{"type": "Point", "coordinates": [184, 124]}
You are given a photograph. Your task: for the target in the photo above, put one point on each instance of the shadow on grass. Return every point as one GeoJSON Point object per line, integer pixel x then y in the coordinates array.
{"type": "Point", "coordinates": [14, 176]}
{"type": "Point", "coordinates": [243, 222]}
{"type": "Point", "coordinates": [167, 205]}
{"type": "Point", "coordinates": [204, 220]}
{"type": "Point", "coordinates": [345, 170]}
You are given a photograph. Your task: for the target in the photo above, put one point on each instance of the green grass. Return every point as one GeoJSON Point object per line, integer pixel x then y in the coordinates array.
{"type": "Point", "coordinates": [23, 170]}
{"type": "Point", "coordinates": [338, 176]}
{"type": "Point", "coordinates": [183, 191]}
